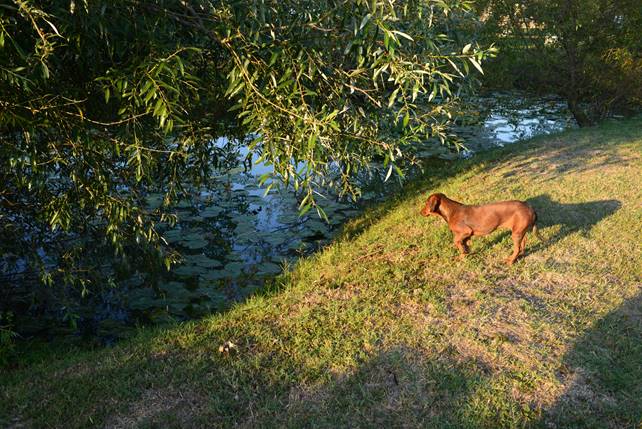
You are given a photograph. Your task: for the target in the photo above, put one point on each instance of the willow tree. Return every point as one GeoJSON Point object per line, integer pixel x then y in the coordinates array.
{"type": "Point", "coordinates": [101, 101]}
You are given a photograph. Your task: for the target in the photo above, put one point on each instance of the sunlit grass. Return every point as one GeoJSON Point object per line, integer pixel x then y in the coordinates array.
{"type": "Point", "coordinates": [386, 328]}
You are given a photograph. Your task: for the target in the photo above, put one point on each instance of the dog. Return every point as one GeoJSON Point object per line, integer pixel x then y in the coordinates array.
{"type": "Point", "coordinates": [467, 221]}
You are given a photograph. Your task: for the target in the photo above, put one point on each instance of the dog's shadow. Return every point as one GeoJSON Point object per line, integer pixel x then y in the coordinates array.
{"type": "Point", "coordinates": [571, 218]}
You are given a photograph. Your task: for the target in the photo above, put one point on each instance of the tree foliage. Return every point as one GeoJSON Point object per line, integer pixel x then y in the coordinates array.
{"type": "Point", "coordinates": [589, 51]}
{"type": "Point", "coordinates": [103, 101]}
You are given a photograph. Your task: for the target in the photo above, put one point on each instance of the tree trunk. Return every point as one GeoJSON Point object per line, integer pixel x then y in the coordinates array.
{"type": "Point", "coordinates": [578, 113]}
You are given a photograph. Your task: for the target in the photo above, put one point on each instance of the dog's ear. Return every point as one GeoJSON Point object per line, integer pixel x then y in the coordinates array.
{"type": "Point", "coordinates": [433, 202]}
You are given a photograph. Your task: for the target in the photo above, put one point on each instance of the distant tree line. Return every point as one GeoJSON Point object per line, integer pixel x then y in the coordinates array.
{"type": "Point", "coordinates": [589, 51]}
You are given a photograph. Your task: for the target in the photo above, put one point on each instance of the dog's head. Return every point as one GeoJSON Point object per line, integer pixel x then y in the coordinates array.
{"type": "Point", "coordinates": [432, 205]}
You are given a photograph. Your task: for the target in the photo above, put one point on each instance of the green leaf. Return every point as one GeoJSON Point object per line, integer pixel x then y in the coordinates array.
{"type": "Point", "coordinates": [476, 64]}
{"type": "Point", "coordinates": [393, 97]}
{"type": "Point", "coordinates": [365, 21]}
{"type": "Point", "coordinates": [306, 208]}
{"type": "Point", "coordinates": [404, 35]}
{"type": "Point", "coordinates": [388, 173]}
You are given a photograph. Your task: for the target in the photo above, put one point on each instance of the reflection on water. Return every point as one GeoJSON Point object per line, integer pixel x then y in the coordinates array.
{"type": "Point", "coordinates": [513, 118]}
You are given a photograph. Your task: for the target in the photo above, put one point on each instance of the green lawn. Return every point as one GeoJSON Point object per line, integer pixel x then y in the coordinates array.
{"type": "Point", "coordinates": [386, 328]}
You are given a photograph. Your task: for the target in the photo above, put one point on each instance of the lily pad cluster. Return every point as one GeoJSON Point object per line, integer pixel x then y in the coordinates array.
{"type": "Point", "coordinates": [231, 239]}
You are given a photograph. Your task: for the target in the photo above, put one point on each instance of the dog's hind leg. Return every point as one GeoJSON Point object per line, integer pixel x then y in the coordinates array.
{"type": "Point", "coordinates": [522, 246]}
{"type": "Point", "coordinates": [517, 240]}
{"type": "Point", "coordinates": [466, 243]}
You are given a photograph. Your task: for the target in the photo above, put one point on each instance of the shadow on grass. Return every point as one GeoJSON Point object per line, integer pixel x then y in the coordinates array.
{"type": "Point", "coordinates": [569, 217]}
{"type": "Point", "coordinates": [390, 388]}
{"type": "Point", "coordinates": [579, 151]}
{"type": "Point", "coordinates": [603, 372]}
{"type": "Point", "coordinates": [399, 387]}
{"type": "Point", "coordinates": [561, 159]}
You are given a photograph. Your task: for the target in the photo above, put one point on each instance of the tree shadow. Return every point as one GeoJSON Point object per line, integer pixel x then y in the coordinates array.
{"type": "Point", "coordinates": [569, 218]}
{"type": "Point", "coordinates": [603, 374]}
{"type": "Point", "coordinates": [559, 160]}
{"type": "Point", "coordinates": [392, 387]}
{"type": "Point", "coordinates": [395, 387]}
{"type": "Point", "coordinates": [558, 157]}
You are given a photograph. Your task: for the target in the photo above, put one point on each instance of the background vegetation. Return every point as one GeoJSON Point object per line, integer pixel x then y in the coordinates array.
{"type": "Point", "coordinates": [119, 117]}
{"type": "Point", "coordinates": [588, 51]}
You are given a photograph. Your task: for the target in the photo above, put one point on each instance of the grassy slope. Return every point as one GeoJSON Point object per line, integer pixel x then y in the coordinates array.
{"type": "Point", "coordinates": [385, 327]}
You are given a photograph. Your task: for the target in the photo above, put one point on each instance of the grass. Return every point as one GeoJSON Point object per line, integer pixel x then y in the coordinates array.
{"type": "Point", "coordinates": [386, 328]}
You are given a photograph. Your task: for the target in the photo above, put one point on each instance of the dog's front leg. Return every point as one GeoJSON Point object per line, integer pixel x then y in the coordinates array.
{"type": "Point", "coordinates": [460, 242]}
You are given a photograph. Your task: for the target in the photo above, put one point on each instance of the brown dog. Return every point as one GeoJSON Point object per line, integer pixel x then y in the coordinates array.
{"type": "Point", "coordinates": [467, 221]}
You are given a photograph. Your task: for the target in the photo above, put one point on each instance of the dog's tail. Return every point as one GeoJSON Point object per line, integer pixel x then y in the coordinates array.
{"type": "Point", "coordinates": [535, 230]}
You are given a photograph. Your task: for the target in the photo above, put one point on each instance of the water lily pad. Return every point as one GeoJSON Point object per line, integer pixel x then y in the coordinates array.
{"type": "Point", "coordinates": [211, 212]}
{"type": "Point", "coordinates": [296, 244]}
{"type": "Point", "coordinates": [168, 287]}
{"type": "Point", "coordinates": [288, 218]}
{"type": "Point", "coordinates": [212, 294]}
{"type": "Point", "coordinates": [134, 282]}
{"type": "Point", "coordinates": [244, 218]}
{"type": "Point", "coordinates": [234, 269]}
{"type": "Point", "coordinates": [257, 197]}
{"type": "Point", "coordinates": [275, 240]}
{"type": "Point", "coordinates": [181, 295]}
{"type": "Point", "coordinates": [174, 236]}
{"type": "Point", "coordinates": [236, 170]}
{"type": "Point", "coordinates": [337, 218]}
{"type": "Point", "coordinates": [176, 306]}
{"type": "Point", "coordinates": [192, 218]}
{"type": "Point", "coordinates": [317, 225]}
{"type": "Point", "coordinates": [212, 275]}
{"type": "Point", "coordinates": [189, 271]}
{"type": "Point", "coordinates": [245, 228]}
{"type": "Point", "coordinates": [154, 201]}
{"type": "Point", "coordinates": [185, 204]}
{"type": "Point", "coordinates": [269, 268]}
{"type": "Point", "coordinates": [204, 262]}
{"type": "Point", "coordinates": [248, 240]}
{"type": "Point", "coordinates": [142, 299]}
{"type": "Point", "coordinates": [196, 243]}
{"type": "Point", "coordinates": [227, 204]}
{"type": "Point", "coordinates": [194, 234]}
{"type": "Point", "coordinates": [351, 213]}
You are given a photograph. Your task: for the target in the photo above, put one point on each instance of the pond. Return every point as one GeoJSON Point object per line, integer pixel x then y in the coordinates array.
{"type": "Point", "coordinates": [234, 237]}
